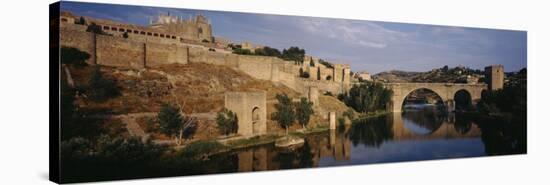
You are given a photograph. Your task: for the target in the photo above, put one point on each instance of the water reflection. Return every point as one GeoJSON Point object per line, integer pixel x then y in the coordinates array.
{"type": "Point", "coordinates": [371, 132]}
{"type": "Point", "coordinates": [409, 136]}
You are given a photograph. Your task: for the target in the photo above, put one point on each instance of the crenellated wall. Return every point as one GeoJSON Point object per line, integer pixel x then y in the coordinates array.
{"type": "Point", "coordinates": [141, 53]}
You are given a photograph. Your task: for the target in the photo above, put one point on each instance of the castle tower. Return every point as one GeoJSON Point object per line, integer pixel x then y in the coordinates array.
{"type": "Point", "coordinates": [494, 77]}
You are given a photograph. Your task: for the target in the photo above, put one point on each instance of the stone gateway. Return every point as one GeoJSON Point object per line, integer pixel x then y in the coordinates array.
{"type": "Point", "coordinates": [250, 108]}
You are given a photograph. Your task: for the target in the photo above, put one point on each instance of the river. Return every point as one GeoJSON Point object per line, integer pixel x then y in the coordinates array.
{"type": "Point", "coordinates": [417, 134]}
{"type": "Point", "coordinates": [421, 134]}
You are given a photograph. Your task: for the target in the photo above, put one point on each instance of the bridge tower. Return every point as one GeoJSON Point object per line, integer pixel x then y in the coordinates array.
{"type": "Point", "coordinates": [494, 77]}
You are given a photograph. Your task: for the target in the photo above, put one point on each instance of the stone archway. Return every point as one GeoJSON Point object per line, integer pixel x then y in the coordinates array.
{"type": "Point", "coordinates": [256, 118]}
{"type": "Point", "coordinates": [250, 108]}
{"type": "Point", "coordinates": [462, 99]}
{"type": "Point", "coordinates": [425, 94]}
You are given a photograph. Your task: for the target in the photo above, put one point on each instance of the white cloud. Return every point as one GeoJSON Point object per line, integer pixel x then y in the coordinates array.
{"type": "Point", "coordinates": [362, 33]}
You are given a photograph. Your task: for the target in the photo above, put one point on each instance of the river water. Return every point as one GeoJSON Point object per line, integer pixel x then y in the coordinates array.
{"type": "Point", "coordinates": [424, 134]}
{"type": "Point", "coordinates": [417, 134]}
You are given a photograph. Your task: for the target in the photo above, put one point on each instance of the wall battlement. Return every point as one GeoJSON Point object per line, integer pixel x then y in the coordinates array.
{"type": "Point", "coordinates": [139, 52]}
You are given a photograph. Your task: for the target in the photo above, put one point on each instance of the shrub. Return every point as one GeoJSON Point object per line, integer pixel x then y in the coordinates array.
{"type": "Point", "coordinates": [127, 151]}
{"type": "Point", "coordinates": [367, 97]}
{"type": "Point", "coordinates": [267, 51]}
{"type": "Point", "coordinates": [81, 21]}
{"type": "Point", "coordinates": [97, 30]}
{"type": "Point", "coordinates": [341, 122]}
{"type": "Point", "coordinates": [294, 54]}
{"type": "Point", "coordinates": [100, 87]}
{"type": "Point", "coordinates": [227, 122]}
{"type": "Point", "coordinates": [349, 113]}
{"type": "Point", "coordinates": [74, 56]}
{"type": "Point", "coordinates": [241, 51]}
{"type": "Point", "coordinates": [304, 74]}
{"type": "Point", "coordinates": [200, 147]}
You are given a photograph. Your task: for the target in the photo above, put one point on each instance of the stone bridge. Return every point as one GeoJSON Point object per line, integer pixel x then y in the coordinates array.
{"type": "Point", "coordinates": [446, 91]}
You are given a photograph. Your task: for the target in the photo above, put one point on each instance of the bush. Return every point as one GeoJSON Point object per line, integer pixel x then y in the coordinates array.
{"type": "Point", "coordinates": [349, 113]}
{"type": "Point", "coordinates": [100, 87]}
{"type": "Point", "coordinates": [76, 148]}
{"type": "Point", "coordinates": [294, 54]}
{"type": "Point", "coordinates": [97, 30]}
{"type": "Point", "coordinates": [241, 51]}
{"type": "Point", "coordinates": [74, 56]}
{"type": "Point", "coordinates": [227, 122]}
{"type": "Point", "coordinates": [81, 21]}
{"type": "Point", "coordinates": [326, 63]}
{"type": "Point", "coordinates": [267, 51]}
{"type": "Point", "coordinates": [367, 97]}
{"type": "Point", "coordinates": [304, 74]}
{"type": "Point", "coordinates": [200, 147]}
{"type": "Point", "coordinates": [341, 122]}
{"type": "Point", "coordinates": [127, 151]}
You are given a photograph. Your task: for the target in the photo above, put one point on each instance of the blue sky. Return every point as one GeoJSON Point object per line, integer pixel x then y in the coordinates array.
{"type": "Point", "coordinates": [365, 45]}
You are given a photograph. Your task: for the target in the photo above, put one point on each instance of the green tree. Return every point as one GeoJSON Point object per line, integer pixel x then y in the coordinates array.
{"type": "Point", "coordinates": [81, 21]}
{"type": "Point", "coordinates": [94, 28]}
{"type": "Point", "coordinates": [284, 114]}
{"type": "Point", "coordinates": [101, 88]}
{"type": "Point", "coordinates": [367, 97]}
{"type": "Point", "coordinates": [227, 122]}
{"type": "Point", "coordinates": [267, 51]}
{"type": "Point", "coordinates": [172, 122]}
{"type": "Point", "coordinates": [125, 35]}
{"type": "Point", "coordinates": [294, 54]}
{"type": "Point", "coordinates": [170, 119]}
{"type": "Point", "coordinates": [318, 73]}
{"type": "Point", "coordinates": [304, 110]}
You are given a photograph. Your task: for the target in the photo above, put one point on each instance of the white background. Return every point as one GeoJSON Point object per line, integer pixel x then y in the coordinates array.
{"type": "Point", "coordinates": [24, 91]}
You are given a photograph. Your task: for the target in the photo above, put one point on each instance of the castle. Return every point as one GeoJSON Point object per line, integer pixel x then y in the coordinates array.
{"type": "Point", "coordinates": [174, 40]}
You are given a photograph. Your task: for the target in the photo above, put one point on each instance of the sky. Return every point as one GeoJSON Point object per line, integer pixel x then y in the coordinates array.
{"type": "Point", "coordinates": [371, 46]}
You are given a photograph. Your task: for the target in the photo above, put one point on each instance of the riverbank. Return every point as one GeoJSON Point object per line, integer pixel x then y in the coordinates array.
{"type": "Point", "coordinates": [206, 148]}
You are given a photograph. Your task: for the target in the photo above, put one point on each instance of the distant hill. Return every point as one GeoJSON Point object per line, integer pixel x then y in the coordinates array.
{"type": "Point", "coordinates": [445, 74]}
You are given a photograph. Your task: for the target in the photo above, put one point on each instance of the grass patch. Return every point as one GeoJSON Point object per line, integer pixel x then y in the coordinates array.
{"type": "Point", "coordinates": [197, 148]}
{"type": "Point", "coordinates": [256, 140]}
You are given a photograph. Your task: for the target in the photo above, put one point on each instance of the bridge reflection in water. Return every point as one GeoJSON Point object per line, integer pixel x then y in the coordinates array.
{"type": "Point", "coordinates": [404, 136]}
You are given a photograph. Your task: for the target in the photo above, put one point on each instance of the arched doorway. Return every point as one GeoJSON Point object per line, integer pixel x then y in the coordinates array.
{"type": "Point", "coordinates": [255, 120]}
{"type": "Point", "coordinates": [422, 99]}
{"type": "Point", "coordinates": [463, 100]}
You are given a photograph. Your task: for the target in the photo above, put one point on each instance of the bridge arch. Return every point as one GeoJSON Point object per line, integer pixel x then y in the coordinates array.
{"type": "Point", "coordinates": [446, 91]}
{"type": "Point", "coordinates": [462, 99]}
{"type": "Point", "coordinates": [439, 98]}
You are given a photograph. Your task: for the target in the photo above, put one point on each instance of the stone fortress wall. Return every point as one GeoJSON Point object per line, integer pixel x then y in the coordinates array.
{"type": "Point", "coordinates": [156, 48]}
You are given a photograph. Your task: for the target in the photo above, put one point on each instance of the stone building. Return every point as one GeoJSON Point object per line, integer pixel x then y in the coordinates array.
{"type": "Point", "coordinates": [250, 108]}
{"type": "Point", "coordinates": [364, 76]}
{"type": "Point", "coordinates": [197, 28]}
{"type": "Point", "coordinates": [494, 77]}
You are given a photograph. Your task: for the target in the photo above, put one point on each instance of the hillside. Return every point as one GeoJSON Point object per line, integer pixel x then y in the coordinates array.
{"type": "Point", "coordinates": [445, 74]}
{"type": "Point", "coordinates": [199, 87]}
